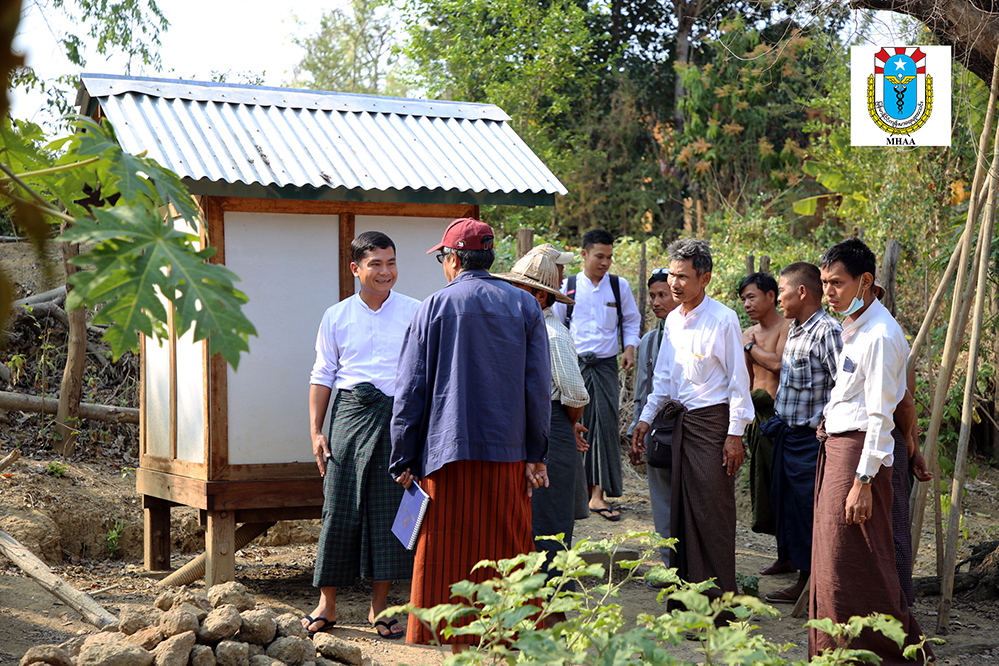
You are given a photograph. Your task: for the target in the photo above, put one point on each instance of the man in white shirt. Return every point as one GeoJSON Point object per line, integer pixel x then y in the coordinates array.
{"type": "Point", "coordinates": [853, 553]}
{"type": "Point", "coordinates": [702, 365]}
{"type": "Point", "coordinates": [357, 351]}
{"type": "Point", "coordinates": [604, 322]}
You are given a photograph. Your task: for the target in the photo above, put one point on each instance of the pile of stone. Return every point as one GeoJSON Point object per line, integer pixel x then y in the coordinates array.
{"type": "Point", "coordinates": [187, 629]}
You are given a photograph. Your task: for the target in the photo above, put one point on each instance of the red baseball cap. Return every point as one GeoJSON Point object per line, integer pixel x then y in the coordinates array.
{"type": "Point", "coordinates": [466, 233]}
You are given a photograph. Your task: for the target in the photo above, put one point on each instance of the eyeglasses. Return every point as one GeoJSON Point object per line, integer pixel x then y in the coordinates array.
{"type": "Point", "coordinates": [660, 271]}
{"type": "Point", "coordinates": [440, 257]}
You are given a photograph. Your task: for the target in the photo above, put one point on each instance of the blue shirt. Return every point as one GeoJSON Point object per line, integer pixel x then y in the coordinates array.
{"type": "Point", "coordinates": [474, 379]}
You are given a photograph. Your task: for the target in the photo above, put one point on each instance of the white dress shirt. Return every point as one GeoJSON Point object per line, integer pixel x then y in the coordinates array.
{"type": "Point", "coordinates": [702, 363]}
{"type": "Point", "coordinates": [357, 344]}
{"type": "Point", "coordinates": [870, 382]}
{"type": "Point", "coordinates": [594, 317]}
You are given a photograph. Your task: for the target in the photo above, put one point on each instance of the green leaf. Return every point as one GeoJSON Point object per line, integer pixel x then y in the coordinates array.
{"type": "Point", "coordinates": [808, 206]}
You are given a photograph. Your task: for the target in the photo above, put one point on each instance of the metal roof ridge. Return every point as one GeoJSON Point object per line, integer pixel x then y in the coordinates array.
{"type": "Point", "coordinates": [104, 85]}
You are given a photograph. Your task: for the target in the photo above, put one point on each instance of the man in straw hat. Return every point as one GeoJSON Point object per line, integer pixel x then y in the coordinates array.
{"type": "Point", "coordinates": [470, 420]}
{"type": "Point", "coordinates": [552, 513]}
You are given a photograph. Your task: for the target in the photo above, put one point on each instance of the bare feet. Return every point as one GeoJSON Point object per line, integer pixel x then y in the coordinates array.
{"type": "Point", "coordinates": [777, 567]}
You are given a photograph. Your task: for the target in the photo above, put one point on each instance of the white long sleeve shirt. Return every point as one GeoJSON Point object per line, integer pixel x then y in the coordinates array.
{"type": "Point", "coordinates": [356, 344]}
{"type": "Point", "coordinates": [702, 363]}
{"type": "Point", "coordinates": [870, 382]}
{"type": "Point", "coordinates": [594, 317]}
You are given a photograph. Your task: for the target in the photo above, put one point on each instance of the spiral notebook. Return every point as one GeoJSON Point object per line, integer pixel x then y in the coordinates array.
{"type": "Point", "coordinates": [410, 515]}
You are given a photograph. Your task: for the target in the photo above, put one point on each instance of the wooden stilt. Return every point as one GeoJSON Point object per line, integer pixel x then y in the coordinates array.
{"type": "Point", "coordinates": [156, 533]}
{"type": "Point", "coordinates": [220, 566]}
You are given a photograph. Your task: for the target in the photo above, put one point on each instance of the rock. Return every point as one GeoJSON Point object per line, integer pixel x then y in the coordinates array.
{"type": "Point", "coordinates": [147, 638]}
{"type": "Point", "coordinates": [165, 601]}
{"type": "Point", "coordinates": [110, 628]}
{"type": "Point", "coordinates": [73, 645]}
{"type": "Point", "coordinates": [198, 611]}
{"type": "Point", "coordinates": [292, 650]}
{"type": "Point", "coordinates": [232, 653]}
{"type": "Point", "coordinates": [202, 655]}
{"type": "Point", "coordinates": [185, 596]}
{"type": "Point", "coordinates": [290, 624]}
{"type": "Point", "coordinates": [336, 649]}
{"type": "Point", "coordinates": [109, 650]}
{"type": "Point", "coordinates": [231, 593]}
{"type": "Point", "coordinates": [259, 627]}
{"type": "Point", "coordinates": [174, 651]}
{"type": "Point", "coordinates": [49, 654]}
{"type": "Point", "coordinates": [256, 649]}
{"type": "Point", "coordinates": [178, 621]}
{"type": "Point", "coordinates": [221, 623]}
{"type": "Point", "coordinates": [264, 660]}
{"type": "Point", "coordinates": [323, 661]}
{"type": "Point", "coordinates": [133, 618]}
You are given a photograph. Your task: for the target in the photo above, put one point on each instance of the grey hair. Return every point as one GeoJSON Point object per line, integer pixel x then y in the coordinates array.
{"type": "Point", "coordinates": [691, 248]}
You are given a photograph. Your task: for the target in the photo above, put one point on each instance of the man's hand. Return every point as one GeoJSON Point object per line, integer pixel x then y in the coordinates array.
{"type": "Point", "coordinates": [321, 450]}
{"type": "Point", "coordinates": [638, 443]}
{"type": "Point", "coordinates": [917, 463]}
{"type": "Point", "coordinates": [579, 430]}
{"type": "Point", "coordinates": [628, 357]}
{"type": "Point", "coordinates": [732, 454]}
{"type": "Point", "coordinates": [406, 479]}
{"type": "Point", "coordinates": [537, 476]}
{"type": "Point", "coordinates": [859, 503]}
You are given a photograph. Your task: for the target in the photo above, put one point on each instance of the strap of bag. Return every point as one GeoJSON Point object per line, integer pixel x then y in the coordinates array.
{"type": "Point", "coordinates": [616, 288]}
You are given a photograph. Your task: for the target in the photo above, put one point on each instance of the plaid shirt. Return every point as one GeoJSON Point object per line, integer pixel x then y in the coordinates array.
{"type": "Point", "coordinates": [567, 382]}
{"type": "Point", "coordinates": [808, 370]}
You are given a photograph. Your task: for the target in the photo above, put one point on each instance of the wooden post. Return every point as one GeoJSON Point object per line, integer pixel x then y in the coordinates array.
{"type": "Point", "coordinates": [156, 533]}
{"type": "Point", "coordinates": [750, 264]}
{"type": "Point", "coordinates": [995, 381]}
{"type": "Point", "coordinates": [889, 269]}
{"type": "Point", "coordinates": [525, 241]}
{"type": "Point", "coordinates": [765, 263]}
{"type": "Point", "coordinates": [643, 277]}
{"type": "Point", "coordinates": [345, 238]}
{"type": "Point", "coordinates": [967, 413]}
{"type": "Point", "coordinates": [917, 500]}
{"type": "Point", "coordinates": [220, 566]}
{"type": "Point", "coordinates": [84, 604]}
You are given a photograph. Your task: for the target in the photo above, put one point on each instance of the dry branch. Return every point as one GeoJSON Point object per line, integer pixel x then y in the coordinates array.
{"type": "Point", "coordinates": [9, 459]}
{"type": "Point", "coordinates": [91, 611]}
{"type": "Point", "coordinates": [42, 405]}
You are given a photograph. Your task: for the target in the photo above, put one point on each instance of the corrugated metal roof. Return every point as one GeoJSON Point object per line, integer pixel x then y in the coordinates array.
{"type": "Point", "coordinates": [276, 142]}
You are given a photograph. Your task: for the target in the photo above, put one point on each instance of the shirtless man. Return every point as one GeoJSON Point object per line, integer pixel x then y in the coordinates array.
{"type": "Point", "coordinates": [764, 345]}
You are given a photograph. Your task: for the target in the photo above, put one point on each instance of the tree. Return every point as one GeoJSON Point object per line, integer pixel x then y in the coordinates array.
{"type": "Point", "coordinates": [351, 52]}
{"type": "Point", "coordinates": [142, 269]}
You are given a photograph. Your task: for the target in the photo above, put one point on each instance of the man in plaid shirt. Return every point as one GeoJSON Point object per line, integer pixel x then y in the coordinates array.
{"type": "Point", "coordinates": [808, 372]}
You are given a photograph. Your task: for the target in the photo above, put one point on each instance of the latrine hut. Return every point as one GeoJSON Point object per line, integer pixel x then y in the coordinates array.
{"type": "Point", "coordinates": [285, 179]}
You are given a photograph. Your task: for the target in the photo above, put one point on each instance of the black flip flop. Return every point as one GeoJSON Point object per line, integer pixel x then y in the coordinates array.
{"type": "Point", "coordinates": [390, 636]}
{"type": "Point", "coordinates": [606, 514]}
{"type": "Point", "coordinates": [327, 624]}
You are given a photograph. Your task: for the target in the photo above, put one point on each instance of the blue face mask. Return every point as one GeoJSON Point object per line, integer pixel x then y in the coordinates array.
{"type": "Point", "coordinates": [855, 304]}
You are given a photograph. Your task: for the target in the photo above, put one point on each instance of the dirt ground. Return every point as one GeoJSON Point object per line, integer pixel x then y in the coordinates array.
{"type": "Point", "coordinates": [75, 512]}
{"type": "Point", "coordinates": [78, 516]}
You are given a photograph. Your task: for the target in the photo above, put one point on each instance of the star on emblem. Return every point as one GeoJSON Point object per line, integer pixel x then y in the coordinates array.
{"type": "Point", "coordinates": [900, 65]}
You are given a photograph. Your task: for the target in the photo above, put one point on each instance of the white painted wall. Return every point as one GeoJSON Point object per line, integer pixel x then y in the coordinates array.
{"type": "Point", "coordinates": [419, 273]}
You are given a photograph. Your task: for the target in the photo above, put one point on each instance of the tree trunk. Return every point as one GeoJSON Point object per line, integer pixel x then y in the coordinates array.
{"type": "Point", "coordinates": [41, 405]}
{"type": "Point", "coordinates": [67, 418]}
{"type": "Point", "coordinates": [972, 31]}
{"type": "Point", "coordinates": [682, 49]}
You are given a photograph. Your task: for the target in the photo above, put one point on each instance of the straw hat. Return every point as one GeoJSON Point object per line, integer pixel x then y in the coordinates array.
{"type": "Point", "coordinates": [538, 270]}
{"type": "Point", "coordinates": [557, 255]}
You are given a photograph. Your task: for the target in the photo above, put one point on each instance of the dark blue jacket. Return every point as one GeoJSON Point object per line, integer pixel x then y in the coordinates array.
{"type": "Point", "coordinates": [474, 379]}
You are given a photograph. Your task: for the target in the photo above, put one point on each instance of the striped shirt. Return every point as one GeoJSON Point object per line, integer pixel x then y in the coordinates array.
{"type": "Point", "coordinates": [567, 382]}
{"type": "Point", "coordinates": [808, 370]}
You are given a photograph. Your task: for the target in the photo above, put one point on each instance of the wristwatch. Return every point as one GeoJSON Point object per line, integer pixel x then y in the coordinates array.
{"type": "Point", "coordinates": [749, 345]}
{"type": "Point", "coordinates": [863, 478]}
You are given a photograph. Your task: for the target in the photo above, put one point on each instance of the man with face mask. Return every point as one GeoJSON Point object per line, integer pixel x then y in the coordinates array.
{"type": "Point", "coordinates": [853, 553]}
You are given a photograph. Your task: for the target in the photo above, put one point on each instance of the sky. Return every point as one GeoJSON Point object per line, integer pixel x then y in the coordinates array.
{"type": "Point", "coordinates": [237, 36]}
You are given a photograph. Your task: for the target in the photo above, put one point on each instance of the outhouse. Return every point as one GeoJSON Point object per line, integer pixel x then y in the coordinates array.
{"type": "Point", "coordinates": [285, 179]}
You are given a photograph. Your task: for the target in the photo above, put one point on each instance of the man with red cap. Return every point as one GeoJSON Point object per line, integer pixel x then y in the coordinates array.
{"type": "Point", "coordinates": [470, 420]}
